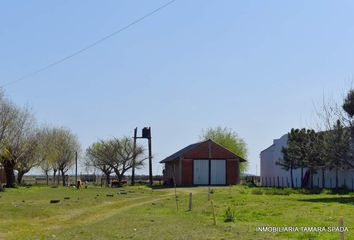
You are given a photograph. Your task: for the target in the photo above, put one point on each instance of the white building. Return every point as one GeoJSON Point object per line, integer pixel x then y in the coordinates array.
{"type": "Point", "coordinates": [273, 175]}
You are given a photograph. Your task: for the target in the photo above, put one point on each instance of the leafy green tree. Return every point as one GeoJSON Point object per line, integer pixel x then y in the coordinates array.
{"type": "Point", "coordinates": [301, 153]}
{"type": "Point", "coordinates": [314, 153]}
{"type": "Point", "coordinates": [229, 139]}
{"type": "Point", "coordinates": [319, 153]}
{"type": "Point", "coordinates": [348, 105]}
{"type": "Point", "coordinates": [337, 149]}
{"type": "Point", "coordinates": [287, 163]}
{"type": "Point", "coordinates": [292, 154]}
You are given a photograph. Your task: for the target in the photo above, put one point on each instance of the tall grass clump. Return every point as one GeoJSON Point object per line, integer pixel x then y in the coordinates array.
{"type": "Point", "coordinates": [257, 191]}
{"type": "Point", "coordinates": [229, 215]}
{"type": "Point", "coordinates": [278, 191]}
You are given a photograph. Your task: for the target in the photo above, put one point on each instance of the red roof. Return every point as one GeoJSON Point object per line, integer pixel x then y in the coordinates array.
{"type": "Point", "coordinates": [206, 149]}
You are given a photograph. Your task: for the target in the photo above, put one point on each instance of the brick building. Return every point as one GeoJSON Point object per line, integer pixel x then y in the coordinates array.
{"type": "Point", "coordinates": [203, 163]}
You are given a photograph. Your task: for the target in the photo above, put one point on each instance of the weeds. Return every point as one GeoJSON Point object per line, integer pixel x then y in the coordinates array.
{"type": "Point", "coordinates": [229, 215]}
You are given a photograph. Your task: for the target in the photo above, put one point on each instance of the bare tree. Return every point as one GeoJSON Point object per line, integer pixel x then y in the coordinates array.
{"type": "Point", "coordinates": [15, 144]}
{"type": "Point", "coordinates": [46, 167]}
{"type": "Point", "coordinates": [66, 145]}
{"type": "Point", "coordinates": [119, 155]}
{"type": "Point", "coordinates": [30, 156]}
{"type": "Point", "coordinates": [8, 114]}
{"type": "Point", "coordinates": [47, 151]}
{"type": "Point", "coordinates": [95, 157]}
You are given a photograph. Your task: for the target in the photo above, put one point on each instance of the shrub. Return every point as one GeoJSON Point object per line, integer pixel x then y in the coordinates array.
{"type": "Point", "coordinates": [351, 194]}
{"type": "Point", "coordinates": [249, 184]}
{"type": "Point", "coordinates": [310, 191]}
{"type": "Point", "coordinates": [257, 191]}
{"type": "Point", "coordinates": [278, 191]}
{"type": "Point", "coordinates": [229, 215]}
{"type": "Point", "coordinates": [242, 191]}
{"type": "Point", "coordinates": [340, 191]}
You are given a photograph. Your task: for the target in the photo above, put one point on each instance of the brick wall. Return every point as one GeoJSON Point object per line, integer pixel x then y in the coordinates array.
{"type": "Point", "coordinates": [172, 171]}
{"type": "Point", "coordinates": [187, 172]}
{"type": "Point", "coordinates": [232, 172]}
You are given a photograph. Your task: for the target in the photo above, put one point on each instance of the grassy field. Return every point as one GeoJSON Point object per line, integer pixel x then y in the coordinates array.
{"type": "Point", "coordinates": [144, 213]}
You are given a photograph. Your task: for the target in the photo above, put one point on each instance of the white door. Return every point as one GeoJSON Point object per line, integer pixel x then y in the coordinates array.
{"type": "Point", "coordinates": [218, 172]}
{"type": "Point", "coordinates": [201, 172]}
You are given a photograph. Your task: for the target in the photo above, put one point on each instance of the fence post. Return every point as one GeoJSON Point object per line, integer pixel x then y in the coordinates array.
{"type": "Point", "coordinates": [287, 181]}
{"type": "Point", "coordinates": [296, 182]}
{"type": "Point", "coordinates": [213, 209]}
{"type": "Point", "coordinates": [190, 201]}
{"type": "Point", "coordinates": [176, 197]}
{"type": "Point", "coordinates": [345, 182]}
{"type": "Point", "coordinates": [208, 193]}
{"type": "Point", "coordinates": [341, 224]}
{"type": "Point", "coordinates": [278, 180]}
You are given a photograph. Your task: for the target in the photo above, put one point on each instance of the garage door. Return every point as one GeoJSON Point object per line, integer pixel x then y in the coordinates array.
{"type": "Point", "coordinates": [201, 172]}
{"type": "Point", "coordinates": [218, 172]}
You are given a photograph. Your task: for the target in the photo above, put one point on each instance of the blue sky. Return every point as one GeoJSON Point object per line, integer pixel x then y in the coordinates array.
{"type": "Point", "coordinates": [254, 66]}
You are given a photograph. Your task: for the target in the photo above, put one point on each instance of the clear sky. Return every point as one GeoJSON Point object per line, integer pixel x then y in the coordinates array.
{"type": "Point", "coordinates": [254, 66]}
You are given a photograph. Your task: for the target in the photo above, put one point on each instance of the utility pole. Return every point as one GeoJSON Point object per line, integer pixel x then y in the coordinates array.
{"type": "Point", "coordinates": [76, 168]}
{"type": "Point", "coordinates": [145, 133]}
{"type": "Point", "coordinates": [134, 157]}
{"type": "Point", "coordinates": [150, 158]}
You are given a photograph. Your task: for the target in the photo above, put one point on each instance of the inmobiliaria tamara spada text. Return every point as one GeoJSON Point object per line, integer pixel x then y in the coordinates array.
{"type": "Point", "coordinates": [301, 229]}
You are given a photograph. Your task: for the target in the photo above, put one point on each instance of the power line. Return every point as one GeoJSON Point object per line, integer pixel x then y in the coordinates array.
{"type": "Point", "coordinates": [59, 61]}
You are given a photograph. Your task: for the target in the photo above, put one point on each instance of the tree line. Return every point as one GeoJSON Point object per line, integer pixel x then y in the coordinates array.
{"type": "Point", "coordinates": [317, 151]}
{"type": "Point", "coordinates": [25, 145]}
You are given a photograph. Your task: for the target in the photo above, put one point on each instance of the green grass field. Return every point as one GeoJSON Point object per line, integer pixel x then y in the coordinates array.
{"type": "Point", "coordinates": [143, 213]}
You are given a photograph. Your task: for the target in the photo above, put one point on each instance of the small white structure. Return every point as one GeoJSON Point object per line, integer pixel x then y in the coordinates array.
{"type": "Point", "coordinates": [272, 175]}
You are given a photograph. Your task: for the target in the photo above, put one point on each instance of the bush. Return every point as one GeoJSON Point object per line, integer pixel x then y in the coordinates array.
{"type": "Point", "coordinates": [340, 191]}
{"type": "Point", "coordinates": [249, 184]}
{"type": "Point", "coordinates": [310, 191]}
{"type": "Point", "coordinates": [278, 191]}
{"type": "Point", "coordinates": [242, 191]}
{"type": "Point", "coordinates": [229, 215]}
{"type": "Point", "coordinates": [257, 191]}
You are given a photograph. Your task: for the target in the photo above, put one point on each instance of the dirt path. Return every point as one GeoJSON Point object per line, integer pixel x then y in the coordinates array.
{"type": "Point", "coordinates": [113, 211]}
{"type": "Point", "coordinates": [104, 211]}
